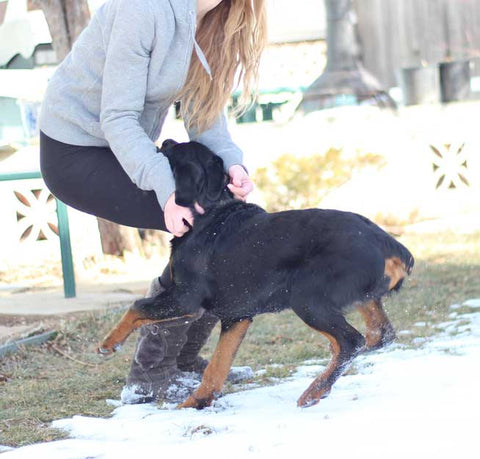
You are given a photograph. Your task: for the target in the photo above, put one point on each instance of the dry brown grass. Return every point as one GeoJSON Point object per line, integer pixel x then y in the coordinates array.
{"type": "Point", "coordinates": [42, 384]}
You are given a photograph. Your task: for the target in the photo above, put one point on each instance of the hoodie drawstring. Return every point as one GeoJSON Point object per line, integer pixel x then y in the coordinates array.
{"type": "Point", "coordinates": [198, 50]}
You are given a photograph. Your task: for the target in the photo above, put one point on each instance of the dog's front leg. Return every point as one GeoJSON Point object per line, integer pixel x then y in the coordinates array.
{"type": "Point", "coordinates": [164, 308]}
{"type": "Point", "coordinates": [219, 366]}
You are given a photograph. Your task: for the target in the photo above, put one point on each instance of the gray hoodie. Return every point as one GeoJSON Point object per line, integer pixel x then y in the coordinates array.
{"type": "Point", "coordinates": [116, 86]}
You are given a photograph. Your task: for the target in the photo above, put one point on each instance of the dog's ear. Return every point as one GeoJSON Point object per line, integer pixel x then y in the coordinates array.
{"type": "Point", "coordinates": [167, 146]}
{"type": "Point", "coordinates": [215, 178]}
{"type": "Point", "coordinates": [189, 180]}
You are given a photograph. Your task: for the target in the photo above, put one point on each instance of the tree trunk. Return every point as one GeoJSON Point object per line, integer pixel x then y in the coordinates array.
{"type": "Point", "coordinates": [344, 78]}
{"type": "Point", "coordinates": [343, 51]}
{"type": "Point", "coordinates": [66, 19]}
{"type": "Point", "coordinates": [118, 239]}
{"type": "Point", "coordinates": [78, 16]}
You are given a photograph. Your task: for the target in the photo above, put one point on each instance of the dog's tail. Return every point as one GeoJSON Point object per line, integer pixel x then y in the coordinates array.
{"type": "Point", "coordinates": [399, 262]}
{"type": "Point", "coordinates": [399, 250]}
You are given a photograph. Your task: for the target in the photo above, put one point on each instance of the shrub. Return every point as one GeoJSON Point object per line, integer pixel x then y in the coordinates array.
{"type": "Point", "coordinates": [296, 182]}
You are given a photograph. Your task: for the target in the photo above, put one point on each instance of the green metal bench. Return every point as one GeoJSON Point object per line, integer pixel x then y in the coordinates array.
{"type": "Point", "coordinates": [63, 233]}
{"type": "Point", "coordinates": [266, 106]}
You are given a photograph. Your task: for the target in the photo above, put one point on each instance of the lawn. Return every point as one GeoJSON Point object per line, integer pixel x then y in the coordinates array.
{"type": "Point", "coordinates": [66, 377]}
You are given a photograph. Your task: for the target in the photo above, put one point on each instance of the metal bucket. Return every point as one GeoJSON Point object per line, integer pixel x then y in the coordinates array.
{"type": "Point", "coordinates": [420, 85]}
{"type": "Point", "coordinates": [454, 80]}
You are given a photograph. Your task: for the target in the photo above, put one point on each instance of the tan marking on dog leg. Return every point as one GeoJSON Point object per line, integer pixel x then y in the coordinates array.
{"type": "Point", "coordinates": [219, 366]}
{"type": "Point", "coordinates": [395, 270]}
{"type": "Point", "coordinates": [130, 321]}
{"type": "Point", "coordinates": [322, 384]}
{"type": "Point", "coordinates": [379, 329]}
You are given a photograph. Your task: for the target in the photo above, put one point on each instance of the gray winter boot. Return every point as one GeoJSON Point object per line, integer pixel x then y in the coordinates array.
{"type": "Point", "coordinates": [166, 365]}
{"type": "Point", "coordinates": [154, 374]}
{"type": "Point", "coordinates": [197, 336]}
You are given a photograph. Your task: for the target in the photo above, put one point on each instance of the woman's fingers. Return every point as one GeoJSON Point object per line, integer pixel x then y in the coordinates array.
{"type": "Point", "coordinates": [183, 215]}
{"type": "Point", "coordinates": [187, 216]}
{"type": "Point", "coordinates": [173, 227]}
{"type": "Point", "coordinates": [241, 192]}
{"type": "Point", "coordinates": [237, 192]}
{"type": "Point", "coordinates": [199, 208]}
{"type": "Point", "coordinates": [176, 216]}
{"type": "Point", "coordinates": [240, 184]}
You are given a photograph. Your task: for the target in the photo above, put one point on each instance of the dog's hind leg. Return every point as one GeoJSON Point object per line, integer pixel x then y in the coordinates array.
{"type": "Point", "coordinates": [219, 366]}
{"type": "Point", "coordinates": [167, 306]}
{"type": "Point", "coordinates": [345, 343]}
{"type": "Point", "coordinates": [380, 331]}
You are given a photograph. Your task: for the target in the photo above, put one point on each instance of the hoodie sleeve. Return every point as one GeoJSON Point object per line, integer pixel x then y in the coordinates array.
{"type": "Point", "coordinates": [123, 97]}
{"type": "Point", "coordinates": [218, 139]}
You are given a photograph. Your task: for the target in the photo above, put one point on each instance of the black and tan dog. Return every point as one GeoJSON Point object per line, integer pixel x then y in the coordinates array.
{"type": "Point", "coordinates": [239, 261]}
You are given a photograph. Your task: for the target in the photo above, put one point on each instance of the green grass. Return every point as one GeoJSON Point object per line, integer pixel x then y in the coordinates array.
{"type": "Point", "coordinates": [43, 385]}
{"type": "Point", "coordinates": [445, 273]}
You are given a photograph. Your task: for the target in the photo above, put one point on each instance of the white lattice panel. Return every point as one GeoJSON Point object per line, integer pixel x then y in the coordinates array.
{"type": "Point", "coordinates": [29, 229]}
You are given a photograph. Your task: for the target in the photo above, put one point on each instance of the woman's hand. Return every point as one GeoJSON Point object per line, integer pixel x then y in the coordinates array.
{"type": "Point", "coordinates": [176, 216]}
{"type": "Point", "coordinates": [240, 184]}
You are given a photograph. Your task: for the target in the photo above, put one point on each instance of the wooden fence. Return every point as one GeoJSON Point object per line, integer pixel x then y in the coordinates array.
{"type": "Point", "coordinates": [397, 34]}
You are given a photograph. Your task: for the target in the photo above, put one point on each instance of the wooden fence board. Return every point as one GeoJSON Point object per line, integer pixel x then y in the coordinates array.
{"type": "Point", "coordinates": [397, 34]}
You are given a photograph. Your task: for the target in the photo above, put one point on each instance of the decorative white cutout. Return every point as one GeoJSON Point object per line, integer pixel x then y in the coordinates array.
{"type": "Point", "coordinates": [36, 218]}
{"type": "Point", "coordinates": [450, 166]}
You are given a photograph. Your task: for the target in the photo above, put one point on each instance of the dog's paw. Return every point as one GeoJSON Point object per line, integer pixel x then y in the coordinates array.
{"type": "Point", "coordinates": [309, 398]}
{"type": "Point", "coordinates": [385, 337]}
{"type": "Point", "coordinates": [196, 403]}
{"type": "Point", "coordinates": [306, 402]}
{"type": "Point", "coordinates": [105, 350]}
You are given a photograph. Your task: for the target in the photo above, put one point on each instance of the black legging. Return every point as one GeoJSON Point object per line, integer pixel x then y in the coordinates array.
{"type": "Point", "coordinates": [92, 180]}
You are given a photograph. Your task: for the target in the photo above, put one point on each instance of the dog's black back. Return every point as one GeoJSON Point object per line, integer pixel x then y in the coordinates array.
{"type": "Point", "coordinates": [242, 261]}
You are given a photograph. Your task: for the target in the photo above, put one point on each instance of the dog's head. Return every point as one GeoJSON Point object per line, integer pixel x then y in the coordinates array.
{"type": "Point", "coordinates": [198, 172]}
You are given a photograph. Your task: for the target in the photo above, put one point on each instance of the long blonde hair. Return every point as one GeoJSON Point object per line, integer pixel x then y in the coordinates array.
{"type": "Point", "coordinates": [232, 37]}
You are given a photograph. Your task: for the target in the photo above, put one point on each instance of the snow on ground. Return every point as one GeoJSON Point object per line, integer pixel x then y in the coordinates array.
{"type": "Point", "coordinates": [416, 403]}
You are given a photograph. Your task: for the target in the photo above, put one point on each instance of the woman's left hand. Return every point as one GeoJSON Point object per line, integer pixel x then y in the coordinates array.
{"type": "Point", "coordinates": [240, 184]}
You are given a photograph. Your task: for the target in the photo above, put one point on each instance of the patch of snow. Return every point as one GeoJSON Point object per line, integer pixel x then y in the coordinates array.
{"type": "Point", "coordinates": [474, 303]}
{"type": "Point", "coordinates": [240, 374]}
{"type": "Point", "coordinates": [132, 393]}
{"type": "Point", "coordinates": [418, 341]}
{"type": "Point", "coordinates": [398, 403]}
{"type": "Point", "coordinates": [115, 403]}
{"type": "Point", "coordinates": [404, 332]}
